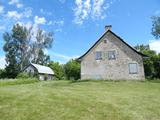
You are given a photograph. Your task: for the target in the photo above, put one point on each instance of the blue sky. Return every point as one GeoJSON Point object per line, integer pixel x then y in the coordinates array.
{"type": "Point", "coordinates": [77, 24]}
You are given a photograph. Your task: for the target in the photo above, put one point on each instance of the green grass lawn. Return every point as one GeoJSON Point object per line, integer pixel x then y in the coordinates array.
{"type": "Point", "coordinates": [87, 100]}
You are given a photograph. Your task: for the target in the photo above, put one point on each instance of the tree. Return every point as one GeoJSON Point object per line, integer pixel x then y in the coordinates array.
{"type": "Point", "coordinates": [2, 73]}
{"type": "Point", "coordinates": [151, 64]}
{"type": "Point", "coordinates": [23, 46]}
{"type": "Point", "coordinates": [72, 69]}
{"type": "Point", "coordinates": [43, 41]}
{"type": "Point", "coordinates": [156, 26]}
{"type": "Point", "coordinates": [58, 69]}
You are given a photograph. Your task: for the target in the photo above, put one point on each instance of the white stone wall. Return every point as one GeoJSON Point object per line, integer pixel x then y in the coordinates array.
{"type": "Point", "coordinates": [111, 69]}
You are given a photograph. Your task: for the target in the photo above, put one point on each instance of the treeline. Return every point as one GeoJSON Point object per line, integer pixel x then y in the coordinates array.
{"type": "Point", "coordinates": [68, 71]}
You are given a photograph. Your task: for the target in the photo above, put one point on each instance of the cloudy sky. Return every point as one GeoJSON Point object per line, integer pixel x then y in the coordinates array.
{"type": "Point", "coordinates": [77, 24]}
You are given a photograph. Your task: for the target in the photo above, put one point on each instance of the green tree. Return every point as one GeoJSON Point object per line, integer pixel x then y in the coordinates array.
{"type": "Point", "coordinates": [23, 45]}
{"type": "Point", "coordinates": [43, 41]}
{"type": "Point", "coordinates": [58, 69]}
{"type": "Point", "coordinates": [152, 63]}
{"type": "Point", "coordinates": [72, 69]}
{"type": "Point", "coordinates": [2, 73]}
{"type": "Point", "coordinates": [156, 26]}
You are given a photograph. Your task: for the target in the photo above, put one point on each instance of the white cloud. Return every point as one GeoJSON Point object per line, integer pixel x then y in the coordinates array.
{"type": "Point", "coordinates": [39, 20]}
{"type": "Point", "coordinates": [19, 5]}
{"type": "Point", "coordinates": [14, 15]}
{"type": "Point", "coordinates": [15, 2]}
{"type": "Point", "coordinates": [155, 45]}
{"type": "Point", "coordinates": [81, 11]}
{"type": "Point", "coordinates": [1, 9]}
{"type": "Point", "coordinates": [65, 57]}
{"type": "Point", "coordinates": [98, 7]}
{"type": "Point", "coordinates": [2, 62]}
{"type": "Point", "coordinates": [90, 8]}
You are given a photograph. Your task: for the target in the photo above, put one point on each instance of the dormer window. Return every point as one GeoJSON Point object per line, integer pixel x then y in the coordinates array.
{"type": "Point", "coordinates": [98, 55]}
{"type": "Point", "coordinates": [112, 55]}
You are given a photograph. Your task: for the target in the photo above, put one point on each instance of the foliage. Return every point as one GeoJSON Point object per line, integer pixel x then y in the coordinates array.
{"type": "Point", "coordinates": [156, 26]}
{"type": "Point", "coordinates": [23, 76]}
{"type": "Point", "coordinates": [72, 70]}
{"type": "Point", "coordinates": [23, 46]}
{"type": "Point", "coordinates": [151, 64]}
{"type": "Point", "coordinates": [2, 73]}
{"type": "Point", "coordinates": [6, 82]}
{"type": "Point", "coordinates": [89, 100]}
{"type": "Point", "coordinates": [58, 69]}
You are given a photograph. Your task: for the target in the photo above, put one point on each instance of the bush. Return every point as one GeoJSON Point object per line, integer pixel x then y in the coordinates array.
{"type": "Point", "coordinates": [23, 76]}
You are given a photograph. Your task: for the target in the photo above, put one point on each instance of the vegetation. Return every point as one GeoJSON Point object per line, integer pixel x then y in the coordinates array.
{"type": "Point", "coordinates": [21, 46]}
{"type": "Point", "coordinates": [7, 82]}
{"type": "Point", "coordinates": [152, 63]}
{"type": "Point", "coordinates": [81, 100]}
{"type": "Point", "coordinates": [23, 76]}
{"type": "Point", "coordinates": [58, 69]}
{"type": "Point", "coordinates": [156, 26]}
{"type": "Point", "coordinates": [72, 70]}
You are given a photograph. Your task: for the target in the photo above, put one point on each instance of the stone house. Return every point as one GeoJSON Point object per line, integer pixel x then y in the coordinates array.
{"type": "Point", "coordinates": [43, 72]}
{"type": "Point", "coordinates": [112, 58]}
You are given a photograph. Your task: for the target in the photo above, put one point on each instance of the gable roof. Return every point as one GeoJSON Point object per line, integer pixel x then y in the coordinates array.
{"type": "Point", "coordinates": [43, 69]}
{"type": "Point", "coordinates": [143, 55]}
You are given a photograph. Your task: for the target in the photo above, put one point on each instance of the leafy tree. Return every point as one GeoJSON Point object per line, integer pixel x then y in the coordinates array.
{"type": "Point", "coordinates": [58, 69]}
{"type": "Point", "coordinates": [23, 46]}
{"type": "Point", "coordinates": [2, 73]}
{"type": "Point", "coordinates": [156, 26]}
{"type": "Point", "coordinates": [72, 69]}
{"type": "Point", "coordinates": [151, 64]}
{"type": "Point", "coordinates": [43, 41]}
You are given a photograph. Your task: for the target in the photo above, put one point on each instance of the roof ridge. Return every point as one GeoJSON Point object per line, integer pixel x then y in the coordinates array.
{"type": "Point", "coordinates": [143, 55]}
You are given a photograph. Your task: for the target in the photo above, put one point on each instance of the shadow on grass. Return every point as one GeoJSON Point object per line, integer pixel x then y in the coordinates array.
{"type": "Point", "coordinates": [153, 80]}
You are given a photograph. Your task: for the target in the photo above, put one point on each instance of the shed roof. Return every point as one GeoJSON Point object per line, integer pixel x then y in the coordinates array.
{"type": "Point", "coordinates": [43, 69]}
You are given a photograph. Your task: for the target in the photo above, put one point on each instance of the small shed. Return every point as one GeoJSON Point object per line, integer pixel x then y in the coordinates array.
{"type": "Point", "coordinates": [43, 72]}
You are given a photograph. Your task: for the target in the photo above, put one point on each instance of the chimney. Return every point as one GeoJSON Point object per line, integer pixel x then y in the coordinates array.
{"type": "Point", "coordinates": [108, 27]}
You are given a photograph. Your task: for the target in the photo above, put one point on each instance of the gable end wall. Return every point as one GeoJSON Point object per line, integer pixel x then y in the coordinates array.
{"type": "Point", "coordinates": [111, 69]}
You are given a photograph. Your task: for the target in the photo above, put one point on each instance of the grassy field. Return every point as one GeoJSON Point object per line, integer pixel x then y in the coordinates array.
{"type": "Point", "coordinates": [87, 100]}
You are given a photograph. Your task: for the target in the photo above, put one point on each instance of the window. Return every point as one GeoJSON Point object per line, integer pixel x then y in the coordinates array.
{"type": "Point", "coordinates": [133, 68]}
{"type": "Point", "coordinates": [112, 55]}
{"type": "Point", "coordinates": [98, 55]}
{"type": "Point", "coordinates": [105, 40]}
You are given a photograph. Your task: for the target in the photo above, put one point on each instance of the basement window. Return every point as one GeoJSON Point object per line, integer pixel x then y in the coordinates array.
{"type": "Point", "coordinates": [133, 68]}
{"type": "Point", "coordinates": [98, 55]}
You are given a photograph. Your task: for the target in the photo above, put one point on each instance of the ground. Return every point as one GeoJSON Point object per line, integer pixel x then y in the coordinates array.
{"type": "Point", "coordinates": [87, 100]}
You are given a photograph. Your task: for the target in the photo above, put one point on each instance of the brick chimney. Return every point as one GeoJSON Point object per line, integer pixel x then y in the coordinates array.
{"type": "Point", "coordinates": [108, 27]}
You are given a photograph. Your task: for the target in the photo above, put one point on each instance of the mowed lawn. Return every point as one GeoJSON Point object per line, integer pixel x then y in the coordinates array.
{"type": "Point", "coordinates": [87, 100]}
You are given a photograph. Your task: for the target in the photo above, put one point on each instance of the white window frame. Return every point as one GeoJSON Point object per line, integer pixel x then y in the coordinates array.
{"type": "Point", "coordinates": [131, 71]}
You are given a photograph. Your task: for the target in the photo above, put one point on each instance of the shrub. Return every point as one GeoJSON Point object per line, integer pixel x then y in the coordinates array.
{"type": "Point", "coordinates": [23, 76]}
